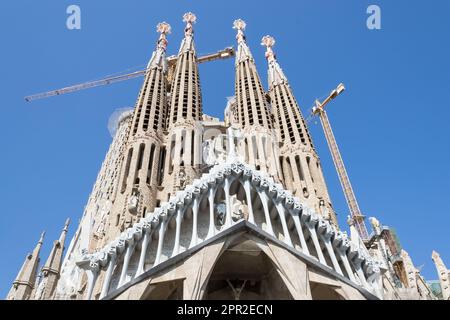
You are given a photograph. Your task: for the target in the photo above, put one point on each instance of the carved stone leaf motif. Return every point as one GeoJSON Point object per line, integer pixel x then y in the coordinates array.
{"type": "Point", "coordinates": [247, 172]}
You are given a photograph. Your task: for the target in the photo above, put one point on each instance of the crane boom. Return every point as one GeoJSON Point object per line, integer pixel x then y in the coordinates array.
{"type": "Point", "coordinates": [86, 85]}
{"type": "Point", "coordinates": [222, 54]}
{"type": "Point", "coordinates": [355, 212]}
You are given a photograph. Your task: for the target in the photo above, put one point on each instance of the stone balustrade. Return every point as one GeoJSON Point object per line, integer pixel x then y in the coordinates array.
{"type": "Point", "coordinates": [192, 216]}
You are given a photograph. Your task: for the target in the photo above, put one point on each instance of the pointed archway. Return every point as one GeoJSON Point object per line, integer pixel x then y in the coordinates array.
{"type": "Point", "coordinates": [245, 272]}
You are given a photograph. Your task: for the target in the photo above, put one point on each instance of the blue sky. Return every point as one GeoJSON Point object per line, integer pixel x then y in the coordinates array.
{"type": "Point", "coordinates": [391, 123]}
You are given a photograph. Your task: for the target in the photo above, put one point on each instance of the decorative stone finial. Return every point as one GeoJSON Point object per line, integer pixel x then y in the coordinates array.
{"type": "Point", "coordinates": [268, 42]}
{"type": "Point", "coordinates": [239, 25]}
{"type": "Point", "coordinates": [189, 18]}
{"type": "Point", "coordinates": [66, 225]}
{"type": "Point", "coordinates": [350, 221]}
{"type": "Point", "coordinates": [41, 239]}
{"type": "Point", "coordinates": [435, 255]}
{"type": "Point", "coordinates": [165, 29]}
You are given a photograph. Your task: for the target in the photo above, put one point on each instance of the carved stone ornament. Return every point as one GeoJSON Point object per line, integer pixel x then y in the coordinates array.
{"type": "Point", "coordinates": [133, 202]}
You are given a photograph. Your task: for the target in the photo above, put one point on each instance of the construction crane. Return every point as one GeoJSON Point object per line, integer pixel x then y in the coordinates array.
{"type": "Point", "coordinates": [172, 60]}
{"type": "Point", "coordinates": [356, 216]}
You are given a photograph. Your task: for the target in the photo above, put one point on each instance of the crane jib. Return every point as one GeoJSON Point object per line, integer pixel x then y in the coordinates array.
{"type": "Point", "coordinates": [222, 54]}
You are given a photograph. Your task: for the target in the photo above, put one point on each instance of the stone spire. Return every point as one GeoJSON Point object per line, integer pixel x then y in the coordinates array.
{"type": "Point", "coordinates": [184, 145]}
{"type": "Point", "coordinates": [275, 75]}
{"type": "Point", "coordinates": [187, 44]}
{"type": "Point", "coordinates": [52, 268]}
{"type": "Point", "coordinates": [158, 59]}
{"type": "Point", "coordinates": [444, 275]}
{"type": "Point", "coordinates": [409, 271]}
{"type": "Point", "coordinates": [25, 281]}
{"type": "Point", "coordinates": [253, 110]}
{"type": "Point", "coordinates": [186, 100]}
{"type": "Point", "coordinates": [300, 164]}
{"type": "Point", "coordinates": [251, 102]}
{"type": "Point", "coordinates": [150, 108]}
{"type": "Point", "coordinates": [139, 179]}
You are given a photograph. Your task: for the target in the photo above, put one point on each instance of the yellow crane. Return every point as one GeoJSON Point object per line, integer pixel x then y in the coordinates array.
{"type": "Point", "coordinates": [172, 60]}
{"type": "Point", "coordinates": [356, 215]}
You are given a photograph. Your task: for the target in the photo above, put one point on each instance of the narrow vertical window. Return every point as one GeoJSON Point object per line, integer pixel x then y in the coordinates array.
{"type": "Point", "coordinates": [282, 169]}
{"type": "Point", "coordinates": [127, 170]}
{"type": "Point", "coordinates": [193, 146]}
{"type": "Point", "coordinates": [150, 164]}
{"type": "Point", "coordinates": [140, 156]}
{"type": "Point", "coordinates": [299, 168]}
{"type": "Point", "coordinates": [162, 160]}
{"type": "Point", "coordinates": [170, 157]}
{"type": "Point", "coordinates": [308, 161]}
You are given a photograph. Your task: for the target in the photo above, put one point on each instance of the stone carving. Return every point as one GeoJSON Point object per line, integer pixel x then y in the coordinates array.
{"type": "Point", "coordinates": [133, 202]}
{"type": "Point", "coordinates": [375, 225]}
{"type": "Point", "coordinates": [238, 209]}
{"type": "Point", "coordinates": [221, 213]}
{"type": "Point", "coordinates": [182, 179]}
{"type": "Point", "coordinates": [443, 275]}
{"type": "Point", "coordinates": [40, 289]}
{"type": "Point", "coordinates": [324, 211]}
{"type": "Point", "coordinates": [215, 150]}
{"type": "Point", "coordinates": [103, 213]}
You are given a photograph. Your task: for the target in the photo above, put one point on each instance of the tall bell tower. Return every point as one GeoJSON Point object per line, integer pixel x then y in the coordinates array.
{"type": "Point", "coordinates": [253, 110]}
{"type": "Point", "coordinates": [300, 164]}
{"type": "Point", "coordinates": [138, 182]}
{"type": "Point", "coordinates": [184, 128]}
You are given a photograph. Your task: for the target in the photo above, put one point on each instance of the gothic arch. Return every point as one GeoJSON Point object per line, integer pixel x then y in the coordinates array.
{"type": "Point", "coordinates": [245, 272]}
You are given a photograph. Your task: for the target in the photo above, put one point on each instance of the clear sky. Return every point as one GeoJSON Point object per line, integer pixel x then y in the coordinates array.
{"type": "Point", "coordinates": [391, 123]}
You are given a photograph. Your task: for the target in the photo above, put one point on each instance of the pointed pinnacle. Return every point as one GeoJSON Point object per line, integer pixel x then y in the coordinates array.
{"type": "Point", "coordinates": [239, 25]}
{"type": "Point", "coordinates": [189, 17]}
{"type": "Point", "coordinates": [41, 239]}
{"type": "Point", "coordinates": [66, 225]}
{"type": "Point", "coordinates": [350, 221]}
{"type": "Point", "coordinates": [164, 28]}
{"type": "Point", "coordinates": [268, 42]}
{"type": "Point", "coordinates": [435, 255]}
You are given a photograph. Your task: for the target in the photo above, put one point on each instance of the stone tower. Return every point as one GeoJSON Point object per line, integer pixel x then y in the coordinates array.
{"type": "Point", "coordinates": [300, 165]}
{"type": "Point", "coordinates": [51, 271]}
{"type": "Point", "coordinates": [93, 227]}
{"type": "Point", "coordinates": [184, 142]}
{"type": "Point", "coordinates": [253, 111]}
{"type": "Point", "coordinates": [24, 284]}
{"type": "Point", "coordinates": [138, 182]}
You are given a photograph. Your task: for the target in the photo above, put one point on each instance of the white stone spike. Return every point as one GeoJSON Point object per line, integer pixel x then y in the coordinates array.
{"type": "Point", "coordinates": [187, 44]}
{"type": "Point", "coordinates": [275, 73]}
{"type": "Point", "coordinates": [243, 51]}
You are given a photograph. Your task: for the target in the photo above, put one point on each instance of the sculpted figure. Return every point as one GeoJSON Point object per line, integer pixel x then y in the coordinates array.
{"type": "Point", "coordinates": [133, 202]}
{"type": "Point", "coordinates": [324, 210]}
{"type": "Point", "coordinates": [221, 212]}
{"type": "Point", "coordinates": [182, 179]}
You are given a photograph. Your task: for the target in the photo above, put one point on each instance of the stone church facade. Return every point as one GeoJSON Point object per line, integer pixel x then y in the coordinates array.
{"type": "Point", "coordinates": [186, 206]}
